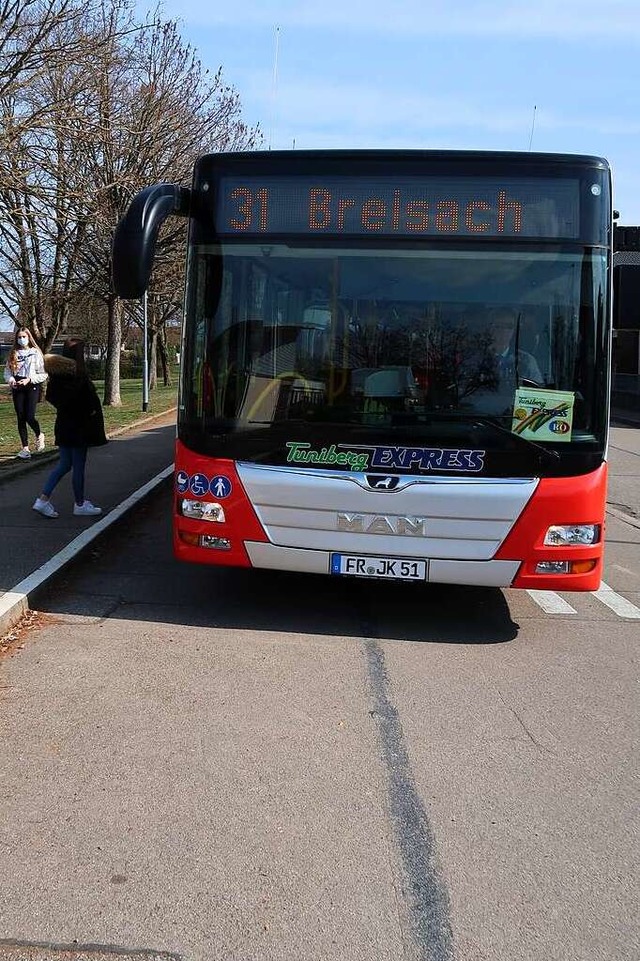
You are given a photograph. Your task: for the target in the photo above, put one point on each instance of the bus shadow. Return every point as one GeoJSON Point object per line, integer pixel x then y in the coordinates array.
{"type": "Point", "coordinates": [140, 580]}
{"type": "Point", "coordinates": [382, 610]}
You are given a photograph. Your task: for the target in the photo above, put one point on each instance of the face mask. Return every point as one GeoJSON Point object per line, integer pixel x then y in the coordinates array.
{"type": "Point", "coordinates": [23, 341]}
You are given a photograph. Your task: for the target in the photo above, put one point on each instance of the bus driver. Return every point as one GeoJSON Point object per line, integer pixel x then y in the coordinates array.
{"type": "Point", "coordinates": [512, 370]}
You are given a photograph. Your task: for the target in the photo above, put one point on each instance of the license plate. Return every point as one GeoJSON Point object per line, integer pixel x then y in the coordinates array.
{"type": "Point", "coordinates": [395, 568]}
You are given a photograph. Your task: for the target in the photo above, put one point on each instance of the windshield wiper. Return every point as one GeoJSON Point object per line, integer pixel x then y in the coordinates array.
{"type": "Point", "coordinates": [495, 425]}
{"type": "Point", "coordinates": [475, 421]}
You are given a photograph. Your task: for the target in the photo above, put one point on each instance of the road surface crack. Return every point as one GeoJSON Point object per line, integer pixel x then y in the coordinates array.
{"type": "Point", "coordinates": [534, 740]}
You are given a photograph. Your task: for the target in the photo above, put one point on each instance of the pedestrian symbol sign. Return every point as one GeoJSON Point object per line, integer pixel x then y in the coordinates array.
{"type": "Point", "coordinates": [220, 486]}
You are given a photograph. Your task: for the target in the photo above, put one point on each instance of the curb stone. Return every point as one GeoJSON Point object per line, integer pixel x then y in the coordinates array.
{"type": "Point", "coordinates": [15, 602]}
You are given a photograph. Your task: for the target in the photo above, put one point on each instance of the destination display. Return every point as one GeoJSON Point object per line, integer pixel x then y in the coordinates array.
{"type": "Point", "coordinates": [399, 206]}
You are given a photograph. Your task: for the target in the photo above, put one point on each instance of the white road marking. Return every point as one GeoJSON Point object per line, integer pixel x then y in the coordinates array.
{"type": "Point", "coordinates": [16, 600]}
{"type": "Point", "coordinates": [551, 603]}
{"type": "Point", "coordinates": [619, 605]}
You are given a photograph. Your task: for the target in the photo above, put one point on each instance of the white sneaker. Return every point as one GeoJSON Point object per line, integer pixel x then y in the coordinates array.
{"type": "Point", "coordinates": [45, 508]}
{"type": "Point", "coordinates": [25, 453]}
{"type": "Point", "coordinates": [85, 509]}
{"type": "Point", "coordinates": [40, 441]}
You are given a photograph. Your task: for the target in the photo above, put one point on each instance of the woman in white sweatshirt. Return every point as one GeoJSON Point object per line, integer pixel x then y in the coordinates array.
{"type": "Point", "coordinates": [24, 373]}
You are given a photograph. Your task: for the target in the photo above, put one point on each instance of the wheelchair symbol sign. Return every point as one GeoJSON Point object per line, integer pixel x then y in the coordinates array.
{"type": "Point", "coordinates": [199, 485]}
{"type": "Point", "coordinates": [220, 486]}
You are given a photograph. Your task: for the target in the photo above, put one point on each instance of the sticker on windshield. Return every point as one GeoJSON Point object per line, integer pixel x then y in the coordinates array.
{"type": "Point", "coordinates": [543, 414]}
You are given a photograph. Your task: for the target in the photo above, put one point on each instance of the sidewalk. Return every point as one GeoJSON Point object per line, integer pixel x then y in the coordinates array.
{"type": "Point", "coordinates": [132, 458]}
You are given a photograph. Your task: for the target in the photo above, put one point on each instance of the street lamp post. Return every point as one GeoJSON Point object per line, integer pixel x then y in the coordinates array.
{"type": "Point", "coordinates": [145, 355]}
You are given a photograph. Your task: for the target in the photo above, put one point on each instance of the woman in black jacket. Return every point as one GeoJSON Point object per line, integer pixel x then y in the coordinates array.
{"type": "Point", "coordinates": [79, 425]}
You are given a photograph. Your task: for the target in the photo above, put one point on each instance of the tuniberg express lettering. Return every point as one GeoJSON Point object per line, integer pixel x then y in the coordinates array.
{"type": "Point", "coordinates": [428, 458]}
{"type": "Point", "coordinates": [390, 458]}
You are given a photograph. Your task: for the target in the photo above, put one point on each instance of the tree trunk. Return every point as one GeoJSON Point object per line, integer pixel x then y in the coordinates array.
{"type": "Point", "coordinates": [153, 359]}
{"type": "Point", "coordinates": [112, 367]}
{"type": "Point", "coordinates": [162, 350]}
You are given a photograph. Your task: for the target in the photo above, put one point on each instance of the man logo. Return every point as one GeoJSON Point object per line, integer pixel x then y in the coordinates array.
{"type": "Point", "coordinates": [381, 524]}
{"type": "Point", "coordinates": [376, 482]}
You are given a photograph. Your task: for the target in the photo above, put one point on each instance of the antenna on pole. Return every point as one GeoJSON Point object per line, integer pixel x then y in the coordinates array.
{"type": "Point", "coordinates": [533, 124]}
{"type": "Point", "coordinates": [274, 85]}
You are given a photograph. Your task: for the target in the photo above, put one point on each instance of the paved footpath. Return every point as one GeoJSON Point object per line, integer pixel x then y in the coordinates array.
{"type": "Point", "coordinates": [136, 459]}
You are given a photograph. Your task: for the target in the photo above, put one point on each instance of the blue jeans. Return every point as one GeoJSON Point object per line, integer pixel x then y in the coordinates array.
{"type": "Point", "coordinates": [71, 458]}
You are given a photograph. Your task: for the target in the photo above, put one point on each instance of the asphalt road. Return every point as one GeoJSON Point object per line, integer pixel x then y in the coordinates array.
{"type": "Point", "coordinates": [251, 766]}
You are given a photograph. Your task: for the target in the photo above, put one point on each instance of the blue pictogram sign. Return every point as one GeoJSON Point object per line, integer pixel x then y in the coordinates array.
{"type": "Point", "coordinates": [199, 485]}
{"type": "Point", "coordinates": [182, 482]}
{"type": "Point", "coordinates": [220, 486]}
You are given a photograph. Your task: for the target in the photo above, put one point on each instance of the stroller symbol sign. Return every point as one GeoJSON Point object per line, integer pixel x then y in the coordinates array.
{"type": "Point", "coordinates": [182, 482]}
{"type": "Point", "coordinates": [220, 486]}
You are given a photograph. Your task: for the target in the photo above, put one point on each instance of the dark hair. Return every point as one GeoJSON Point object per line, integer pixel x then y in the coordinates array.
{"type": "Point", "coordinates": [74, 349]}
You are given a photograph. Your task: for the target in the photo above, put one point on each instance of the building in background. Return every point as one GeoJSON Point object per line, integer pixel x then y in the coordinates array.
{"type": "Point", "coordinates": [626, 319]}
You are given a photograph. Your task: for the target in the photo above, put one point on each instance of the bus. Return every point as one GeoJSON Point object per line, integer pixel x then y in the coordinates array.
{"type": "Point", "coordinates": [394, 364]}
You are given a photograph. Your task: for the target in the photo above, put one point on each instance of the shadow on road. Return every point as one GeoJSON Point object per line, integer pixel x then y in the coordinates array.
{"type": "Point", "coordinates": [130, 573]}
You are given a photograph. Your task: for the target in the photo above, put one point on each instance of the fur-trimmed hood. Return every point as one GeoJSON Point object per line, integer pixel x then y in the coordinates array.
{"type": "Point", "coordinates": [58, 365]}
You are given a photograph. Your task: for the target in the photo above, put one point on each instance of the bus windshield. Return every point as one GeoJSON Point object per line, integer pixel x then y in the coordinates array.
{"type": "Point", "coordinates": [388, 338]}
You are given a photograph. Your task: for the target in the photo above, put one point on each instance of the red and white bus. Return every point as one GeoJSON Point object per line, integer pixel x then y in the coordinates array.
{"type": "Point", "coordinates": [394, 364]}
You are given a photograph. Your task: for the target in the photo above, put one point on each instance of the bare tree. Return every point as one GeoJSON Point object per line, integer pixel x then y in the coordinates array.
{"type": "Point", "coordinates": [156, 109]}
{"type": "Point", "coordinates": [93, 106]}
{"type": "Point", "coordinates": [87, 318]}
{"type": "Point", "coordinates": [40, 228]}
{"type": "Point", "coordinates": [33, 33]}
{"type": "Point", "coordinates": [27, 37]}
{"type": "Point", "coordinates": [164, 310]}
{"type": "Point", "coordinates": [45, 197]}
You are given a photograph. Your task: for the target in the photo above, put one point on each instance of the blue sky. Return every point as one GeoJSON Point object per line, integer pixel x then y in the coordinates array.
{"type": "Point", "coordinates": [463, 74]}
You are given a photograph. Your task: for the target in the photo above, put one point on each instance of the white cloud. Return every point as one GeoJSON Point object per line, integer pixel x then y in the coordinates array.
{"type": "Point", "coordinates": [327, 114]}
{"type": "Point", "coordinates": [357, 108]}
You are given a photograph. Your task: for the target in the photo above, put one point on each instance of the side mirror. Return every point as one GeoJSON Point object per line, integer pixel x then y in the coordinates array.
{"type": "Point", "coordinates": [135, 237]}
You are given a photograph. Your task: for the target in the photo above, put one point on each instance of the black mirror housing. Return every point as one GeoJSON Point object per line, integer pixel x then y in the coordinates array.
{"type": "Point", "coordinates": [135, 237]}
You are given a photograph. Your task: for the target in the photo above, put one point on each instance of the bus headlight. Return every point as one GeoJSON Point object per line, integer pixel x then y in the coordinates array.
{"type": "Point", "coordinates": [572, 535]}
{"type": "Point", "coordinates": [552, 567]}
{"type": "Point", "coordinates": [202, 510]}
